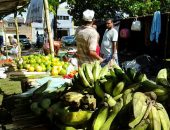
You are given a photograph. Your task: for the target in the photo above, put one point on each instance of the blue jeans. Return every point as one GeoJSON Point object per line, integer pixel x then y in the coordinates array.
{"type": "Point", "coordinates": [107, 59]}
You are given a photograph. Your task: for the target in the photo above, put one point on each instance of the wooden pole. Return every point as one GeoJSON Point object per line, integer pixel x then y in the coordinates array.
{"type": "Point", "coordinates": [6, 48]}
{"type": "Point", "coordinates": [17, 34]}
{"type": "Point", "coordinates": [49, 27]}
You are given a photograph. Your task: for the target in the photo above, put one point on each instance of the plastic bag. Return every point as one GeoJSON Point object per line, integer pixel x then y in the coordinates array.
{"type": "Point", "coordinates": [136, 25]}
{"type": "Point", "coordinates": [131, 64]}
{"type": "Point", "coordinates": [144, 64]}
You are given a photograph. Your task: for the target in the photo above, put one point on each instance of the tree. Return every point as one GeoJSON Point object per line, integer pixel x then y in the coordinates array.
{"type": "Point", "coordinates": [107, 9]}
{"type": "Point", "coordinates": [53, 7]}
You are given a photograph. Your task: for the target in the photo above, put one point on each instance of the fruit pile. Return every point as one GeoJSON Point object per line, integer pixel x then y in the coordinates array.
{"type": "Point", "coordinates": [6, 61]}
{"type": "Point", "coordinates": [41, 63]}
{"type": "Point", "coordinates": [106, 99]}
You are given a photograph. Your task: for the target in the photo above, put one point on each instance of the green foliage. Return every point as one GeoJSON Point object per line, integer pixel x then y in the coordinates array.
{"type": "Point", "coordinates": [53, 4]}
{"type": "Point", "coordinates": [107, 9]}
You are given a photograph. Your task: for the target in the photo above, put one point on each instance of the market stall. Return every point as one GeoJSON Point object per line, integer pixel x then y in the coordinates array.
{"type": "Point", "coordinates": [98, 98]}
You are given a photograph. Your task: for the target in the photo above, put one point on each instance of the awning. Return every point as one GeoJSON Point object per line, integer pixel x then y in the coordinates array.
{"type": "Point", "coordinates": [10, 6]}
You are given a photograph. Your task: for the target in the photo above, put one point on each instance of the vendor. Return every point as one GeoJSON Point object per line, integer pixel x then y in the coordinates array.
{"type": "Point", "coordinates": [46, 47]}
{"type": "Point", "coordinates": [12, 40]}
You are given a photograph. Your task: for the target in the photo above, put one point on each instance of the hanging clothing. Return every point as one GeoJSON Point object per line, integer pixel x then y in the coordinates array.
{"type": "Point", "coordinates": [156, 26]}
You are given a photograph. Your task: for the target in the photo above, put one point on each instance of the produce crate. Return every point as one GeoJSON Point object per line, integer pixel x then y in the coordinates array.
{"type": "Point", "coordinates": [22, 117]}
{"type": "Point", "coordinates": [26, 74]}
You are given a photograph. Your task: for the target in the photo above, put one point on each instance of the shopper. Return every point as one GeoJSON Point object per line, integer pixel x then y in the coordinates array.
{"type": "Point", "coordinates": [109, 43]}
{"type": "Point", "coordinates": [87, 40]}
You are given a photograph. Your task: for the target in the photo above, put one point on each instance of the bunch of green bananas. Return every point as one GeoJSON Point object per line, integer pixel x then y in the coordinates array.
{"type": "Point", "coordinates": [106, 115]}
{"type": "Point", "coordinates": [148, 114]}
{"type": "Point", "coordinates": [89, 73]}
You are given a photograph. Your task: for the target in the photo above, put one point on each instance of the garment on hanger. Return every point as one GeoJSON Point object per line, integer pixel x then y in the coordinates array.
{"type": "Point", "coordinates": [156, 27]}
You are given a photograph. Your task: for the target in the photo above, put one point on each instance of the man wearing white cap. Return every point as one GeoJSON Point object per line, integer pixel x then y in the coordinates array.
{"type": "Point", "coordinates": [86, 40]}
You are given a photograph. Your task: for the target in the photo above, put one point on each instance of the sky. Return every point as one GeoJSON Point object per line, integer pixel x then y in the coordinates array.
{"type": "Point", "coordinates": [25, 13]}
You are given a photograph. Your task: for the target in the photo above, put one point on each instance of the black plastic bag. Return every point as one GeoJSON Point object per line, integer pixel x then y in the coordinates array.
{"type": "Point", "coordinates": [144, 64]}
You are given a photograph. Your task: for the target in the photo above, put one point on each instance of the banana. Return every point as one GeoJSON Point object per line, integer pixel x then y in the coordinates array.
{"type": "Point", "coordinates": [103, 72]}
{"type": "Point", "coordinates": [88, 74]}
{"type": "Point", "coordinates": [131, 73]}
{"type": "Point", "coordinates": [161, 78]}
{"type": "Point", "coordinates": [163, 97]}
{"type": "Point", "coordinates": [160, 91]}
{"type": "Point", "coordinates": [164, 124]}
{"type": "Point", "coordinates": [109, 100]}
{"type": "Point", "coordinates": [119, 72]}
{"type": "Point", "coordinates": [127, 96]}
{"type": "Point", "coordinates": [134, 86]}
{"type": "Point", "coordinates": [140, 77]}
{"type": "Point", "coordinates": [122, 76]}
{"type": "Point", "coordinates": [116, 109]}
{"type": "Point", "coordinates": [96, 70]}
{"type": "Point", "coordinates": [166, 117]}
{"type": "Point", "coordinates": [138, 119]}
{"type": "Point", "coordinates": [119, 88]}
{"type": "Point", "coordinates": [73, 96]}
{"type": "Point", "coordinates": [108, 86]}
{"type": "Point", "coordinates": [156, 119]}
{"type": "Point", "coordinates": [128, 99]}
{"type": "Point", "coordinates": [82, 76]}
{"type": "Point", "coordinates": [101, 118]}
{"type": "Point", "coordinates": [150, 116]}
{"type": "Point", "coordinates": [76, 118]}
{"type": "Point", "coordinates": [116, 66]}
{"type": "Point", "coordinates": [139, 99]}
{"type": "Point", "coordinates": [118, 97]}
{"type": "Point", "coordinates": [98, 90]}
{"type": "Point", "coordinates": [112, 72]}
{"type": "Point", "coordinates": [143, 125]}
{"type": "Point", "coordinates": [149, 85]}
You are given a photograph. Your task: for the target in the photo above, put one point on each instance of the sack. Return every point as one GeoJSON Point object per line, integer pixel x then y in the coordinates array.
{"type": "Point", "coordinates": [136, 25]}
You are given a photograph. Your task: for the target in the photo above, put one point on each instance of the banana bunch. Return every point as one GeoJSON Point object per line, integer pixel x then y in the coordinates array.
{"type": "Point", "coordinates": [72, 98]}
{"type": "Point", "coordinates": [162, 78]}
{"type": "Point", "coordinates": [160, 90]}
{"type": "Point", "coordinates": [106, 115]}
{"type": "Point", "coordinates": [90, 73]}
{"type": "Point", "coordinates": [158, 117]}
{"type": "Point", "coordinates": [148, 114]}
{"type": "Point", "coordinates": [76, 118]}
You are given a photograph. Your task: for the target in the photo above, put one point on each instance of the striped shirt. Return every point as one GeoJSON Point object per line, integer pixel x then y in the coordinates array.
{"type": "Point", "coordinates": [86, 40]}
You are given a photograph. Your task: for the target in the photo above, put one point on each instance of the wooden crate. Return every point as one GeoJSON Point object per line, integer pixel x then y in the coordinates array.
{"type": "Point", "coordinates": [22, 116]}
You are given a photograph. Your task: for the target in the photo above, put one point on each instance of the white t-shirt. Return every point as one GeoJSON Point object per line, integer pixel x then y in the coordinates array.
{"type": "Point", "coordinates": [109, 37]}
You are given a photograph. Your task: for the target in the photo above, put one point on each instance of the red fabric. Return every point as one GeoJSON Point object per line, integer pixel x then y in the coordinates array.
{"type": "Point", "coordinates": [98, 49]}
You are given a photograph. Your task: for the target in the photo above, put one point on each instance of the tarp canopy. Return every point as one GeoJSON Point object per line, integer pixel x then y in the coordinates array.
{"type": "Point", "coordinates": [35, 11]}
{"type": "Point", "coordinates": [10, 6]}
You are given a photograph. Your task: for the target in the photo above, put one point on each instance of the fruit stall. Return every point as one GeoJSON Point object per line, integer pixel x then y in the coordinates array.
{"type": "Point", "coordinates": [94, 98]}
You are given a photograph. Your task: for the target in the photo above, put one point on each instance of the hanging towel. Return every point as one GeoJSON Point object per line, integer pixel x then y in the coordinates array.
{"type": "Point", "coordinates": [156, 26]}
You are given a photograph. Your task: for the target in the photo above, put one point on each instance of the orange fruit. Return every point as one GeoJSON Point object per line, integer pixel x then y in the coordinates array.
{"type": "Point", "coordinates": [54, 72]}
{"type": "Point", "coordinates": [39, 68]}
{"type": "Point", "coordinates": [31, 69]}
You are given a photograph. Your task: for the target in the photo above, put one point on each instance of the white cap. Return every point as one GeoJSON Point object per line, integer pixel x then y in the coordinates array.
{"type": "Point", "coordinates": [88, 15]}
